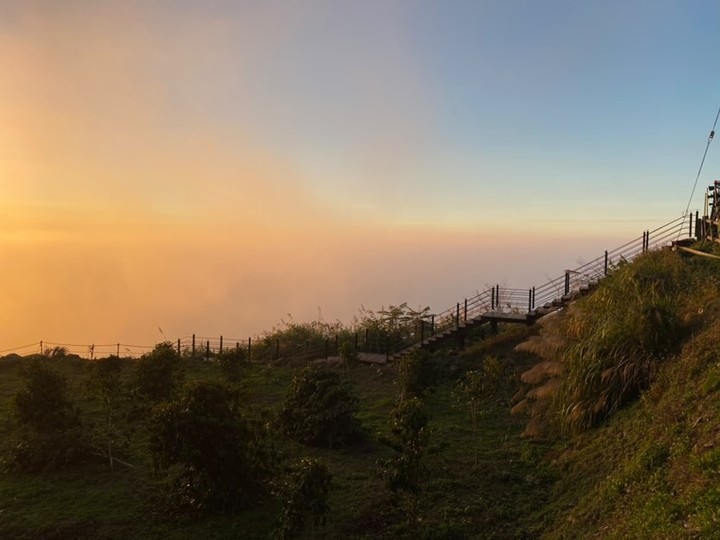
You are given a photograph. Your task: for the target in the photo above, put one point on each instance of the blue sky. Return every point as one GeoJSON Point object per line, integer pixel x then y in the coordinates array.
{"type": "Point", "coordinates": [335, 154]}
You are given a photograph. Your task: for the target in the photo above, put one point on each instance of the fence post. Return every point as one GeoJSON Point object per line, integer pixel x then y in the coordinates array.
{"type": "Point", "coordinates": [606, 262]}
{"type": "Point", "coordinates": [193, 345]}
{"type": "Point", "coordinates": [457, 315]}
{"type": "Point", "coordinates": [207, 350]}
{"type": "Point", "coordinates": [179, 352]}
{"type": "Point", "coordinates": [529, 300]}
{"type": "Point", "coordinates": [41, 347]}
{"type": "Point", "coordinates": [497, 296]}
{"type": "Point", "coordinates": [567, 282]}
{"type": "Point", "coordinates": [492, 299]}
{"type": "Point", "coordinates": [533, 297]}
{"type": "Point", "coordinates": [221, 340]}
{"type": "Point", "coordinates": [432, 325]}
{"type": "Point", "coordinates": [465, 316]}
{"type": "Point", "coordinates": [118, 350]}
{"type": "Point", "coordinates": [249, 349]}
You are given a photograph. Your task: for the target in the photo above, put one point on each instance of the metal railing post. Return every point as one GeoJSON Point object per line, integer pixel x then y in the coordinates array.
{"type": "Point", "coordinates": [567, 282]}
{"type": "Point", "coordinates": [606, 262]}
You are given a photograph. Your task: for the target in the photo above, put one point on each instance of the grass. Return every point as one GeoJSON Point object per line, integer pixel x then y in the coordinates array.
{"type": "Point", "coordinates": [458, 500]}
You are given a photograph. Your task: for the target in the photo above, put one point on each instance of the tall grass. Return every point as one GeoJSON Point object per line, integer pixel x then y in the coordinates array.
{"type": "Point", "coordinates": [618, 335]}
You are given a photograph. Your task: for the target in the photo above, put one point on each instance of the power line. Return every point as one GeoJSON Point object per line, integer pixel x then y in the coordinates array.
{"type": "Point", "coordinates": [702, 162]}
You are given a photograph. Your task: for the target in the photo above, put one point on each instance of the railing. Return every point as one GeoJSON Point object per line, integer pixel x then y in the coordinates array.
{"type": "Point", "coordinates": [495, 300]}
{"type": "Point", "coordinates": [499, 299]}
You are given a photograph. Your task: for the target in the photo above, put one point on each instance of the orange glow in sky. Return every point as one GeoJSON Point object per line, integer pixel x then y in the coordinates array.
{"type": "Point", "coordinates": [210, 169]}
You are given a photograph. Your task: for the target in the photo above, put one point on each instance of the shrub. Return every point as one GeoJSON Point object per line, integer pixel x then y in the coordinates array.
{"type": "Point", "coordinates": [409, 438]}
{"type": "Point", "coordinates": [416, 375]}
{"type": "Point", "coordinates": [51, 434]}
{"type": "Point", "coordinates": [231, 362]}
{"type": "Point", "coordinates": [320, 409]}
{"type": "Point", "coordinates": [304, 493]}
{"type": "Point", "coordinates": [475, 388]}
{"type": "Point", "coordinates": [216, 458]}
{"type": "Point", "coordinates": [159, 373]}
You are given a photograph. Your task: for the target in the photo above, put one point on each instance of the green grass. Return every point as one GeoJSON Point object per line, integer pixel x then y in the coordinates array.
{"type": "Point", "coordinates": [459, 500]}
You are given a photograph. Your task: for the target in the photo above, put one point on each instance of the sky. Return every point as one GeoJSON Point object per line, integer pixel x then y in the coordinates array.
{"type": "Point", "coordinates": [217, 167]}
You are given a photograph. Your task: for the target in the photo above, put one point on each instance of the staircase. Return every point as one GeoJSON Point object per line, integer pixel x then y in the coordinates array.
{"type": "Point", "coordinates": [524, 306]}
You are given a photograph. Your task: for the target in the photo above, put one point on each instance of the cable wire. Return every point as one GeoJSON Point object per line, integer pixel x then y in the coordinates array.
{"type": "Point", "coordinates": [710, 139]}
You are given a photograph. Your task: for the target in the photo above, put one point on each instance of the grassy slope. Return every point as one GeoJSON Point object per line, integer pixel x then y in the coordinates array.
{"type": "Point", "coordinates": [653, 469]}
{"type": "Point", "coordinates": [459, 501]}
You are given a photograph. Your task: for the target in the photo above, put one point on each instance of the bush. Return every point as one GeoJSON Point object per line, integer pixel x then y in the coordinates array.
{"type": "Point", "coordinates": [217, 459]}
{"type": "Point", "coordinates": [231, 362]}
{"type": "Point", "coordinates": [304, 494]}
{"type": "Point", "coordinates": [159, 373]}
{"type": "Point", "coordinates": [409, 438]}
{"type": "Point", "coordinates": [51, 434]}
{"type": "Point", "coordinates": [416, 375]}
{"type": "Point", "coordinates": [320, 409]}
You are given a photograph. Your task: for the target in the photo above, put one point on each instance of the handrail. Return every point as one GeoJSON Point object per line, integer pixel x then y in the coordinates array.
{"type": "Point", "coordinates": [499, 299]}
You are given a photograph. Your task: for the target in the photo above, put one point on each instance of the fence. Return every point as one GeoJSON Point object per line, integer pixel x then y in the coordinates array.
{"type": "Point", "coordinates": [496, 299]}
{"type": "Point", "coordinates": [499, 299]}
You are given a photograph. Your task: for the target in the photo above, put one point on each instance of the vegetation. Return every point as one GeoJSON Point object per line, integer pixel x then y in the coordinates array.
{"type": "Point", "coordinates": [620, 415]}
{"type": "Point", "coordinates": [51, 436]}
{"type": "Point", "coordinates": [320, 409]}
{"type": "Point", "coordinates": [304, 493]}
{"type": "Point", "coordinates": [159, 373]}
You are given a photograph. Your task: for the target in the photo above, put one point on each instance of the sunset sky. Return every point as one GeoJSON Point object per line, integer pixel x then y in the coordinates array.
{"type": "Point", "coordinates": [213, 166]}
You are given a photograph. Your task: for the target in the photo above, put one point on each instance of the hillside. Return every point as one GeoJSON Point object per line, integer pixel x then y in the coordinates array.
{"type": "Point", "coordinates": [615, 433]}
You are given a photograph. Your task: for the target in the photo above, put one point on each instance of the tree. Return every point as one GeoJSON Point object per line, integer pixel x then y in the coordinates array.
{"type": "Point", "coordinates": [231, 362]}
{"type": "Point", "coordinates": [409, 438]}
{"type": "Point", "coordinates": [159, 373]}
{"type": "Point", "coordinates": [475, 388]}
{"type": "Point", "coordinates": [320, 409]}
{"type": "Point", "coordinates": [348, 355]}
{"type": "Point", "coordinates": [51, 433]}
{"type": "Point", "coordinates": [415, 375]}
{"type": "Point", "coordinates": [216, 458]}
{"type": "Point", "coordinates": [107, 379]}
{"type": "Point", "coordinates": [304, 494]}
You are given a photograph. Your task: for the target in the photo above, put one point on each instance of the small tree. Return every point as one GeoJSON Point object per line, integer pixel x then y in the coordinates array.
{"type": "Point", "coordinates": [231, 362]}
{"type": "Point", "coordinates": [219, 459]}
{"type": "Point", "coordinates": [159, 373]}
{"type": "Point", "coordinates": [107, 379]}
{"type": "Point", "coordinates": [51, 433]}
{"type": "Point", "coordinates": [320, 409]}
{"type": "Point", "coordinates": [348, 355]}
{"type": "Point", "coordinates": [415, 375]}
{"type": "Point", "coordinates": [475, 388]}
{"type": "Point", "coordinates": [409, 438]}
{"type": "Point", "coordinates": [304, 493]}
